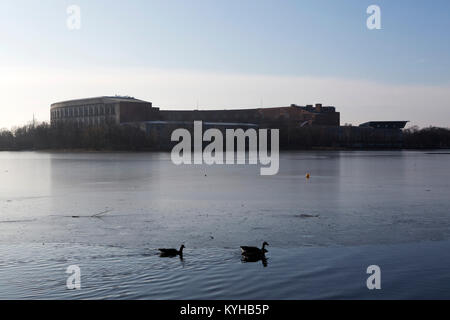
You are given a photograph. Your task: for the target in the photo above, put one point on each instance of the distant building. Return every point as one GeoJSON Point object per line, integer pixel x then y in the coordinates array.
{"type": "Point", "coordinates": [128, 110]}
{"type": "Point", "coordinates": [100, 111]}
{"type": "Point", "coordinates": [319, 124]}
{"type": "Point", "coordinates": [385, 124]}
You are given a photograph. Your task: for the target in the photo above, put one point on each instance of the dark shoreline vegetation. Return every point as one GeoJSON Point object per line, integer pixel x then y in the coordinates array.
{"type": "Point", "coordinates": [66, 137]}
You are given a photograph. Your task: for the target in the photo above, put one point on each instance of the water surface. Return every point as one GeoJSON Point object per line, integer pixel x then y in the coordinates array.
{"type": "Point", "coordinates": [107, 212]}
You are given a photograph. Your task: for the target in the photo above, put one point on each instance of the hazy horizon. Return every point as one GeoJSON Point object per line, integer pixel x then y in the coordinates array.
{"type": "Point", "coordinates": [229, 55]}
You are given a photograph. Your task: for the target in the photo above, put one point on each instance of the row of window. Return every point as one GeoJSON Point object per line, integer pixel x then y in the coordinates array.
{"type": "Point", "coordinates": [91, 121]}
{"type": "Point", "coordinates": [84, 111]}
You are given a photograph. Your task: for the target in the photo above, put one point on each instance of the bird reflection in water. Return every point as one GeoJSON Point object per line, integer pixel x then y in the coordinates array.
{"type": "Point", "coordinates": [254, 258]}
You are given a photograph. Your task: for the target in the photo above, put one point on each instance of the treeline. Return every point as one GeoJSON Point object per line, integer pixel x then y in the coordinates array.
{"type": "Point", "coordinates": [116, 138]}
{"type": "Point", "coordinates": [364, 138]}
{"type": "Point", "coordinates": [67, 136]}
{"type": "Point", "coordinates": [431, 137]}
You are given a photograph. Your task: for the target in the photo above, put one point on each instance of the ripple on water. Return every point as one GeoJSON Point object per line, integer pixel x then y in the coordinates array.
{"type": "Point", "coordinates": [38, 272]}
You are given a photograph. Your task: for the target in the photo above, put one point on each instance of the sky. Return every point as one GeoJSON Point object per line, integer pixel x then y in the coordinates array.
{"type": "Point", "coordinates": [212, 54]}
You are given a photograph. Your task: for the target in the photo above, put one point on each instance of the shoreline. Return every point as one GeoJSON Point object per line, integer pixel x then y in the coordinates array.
{"type": "Point", "coordinates": [168, 151]}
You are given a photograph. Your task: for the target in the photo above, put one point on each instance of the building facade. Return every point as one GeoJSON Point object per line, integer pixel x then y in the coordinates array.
{"type": "Point", "coordinates": [128, 110]}
{"type": "Point", "coordinates": [100, 111]}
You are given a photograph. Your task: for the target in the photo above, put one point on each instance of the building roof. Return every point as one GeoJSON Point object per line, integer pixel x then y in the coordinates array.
{"type": "Point", "coordinates": [385, 124]}
{"type": "Point", "coordinates": [96, 100]}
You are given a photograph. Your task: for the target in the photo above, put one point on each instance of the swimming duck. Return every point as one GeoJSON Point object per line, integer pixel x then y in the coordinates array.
{"type": "Point", "coordinates": [172, 252]}
{"type": "Point", "coordinates": [254, 251]}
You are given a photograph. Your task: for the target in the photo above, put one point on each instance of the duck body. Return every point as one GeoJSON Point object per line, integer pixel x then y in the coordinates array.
{"type": "Point", "coordinates": [254, 251]}
{"type": "Point", "coordinates": [172, 252]}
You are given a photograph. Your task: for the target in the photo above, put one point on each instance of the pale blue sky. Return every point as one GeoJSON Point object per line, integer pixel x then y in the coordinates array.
{"type": "Point", "coordinates": [284, 39]}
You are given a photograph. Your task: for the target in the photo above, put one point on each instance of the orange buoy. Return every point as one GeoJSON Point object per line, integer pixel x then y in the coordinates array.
{"type": "Point", "coordinates": [308, 176]}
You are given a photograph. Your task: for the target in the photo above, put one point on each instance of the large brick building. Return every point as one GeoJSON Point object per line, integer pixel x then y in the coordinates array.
{"type": "Point", "coordinates": [100, 110]}
{"type": "Point", "coordinates": [128, 110]}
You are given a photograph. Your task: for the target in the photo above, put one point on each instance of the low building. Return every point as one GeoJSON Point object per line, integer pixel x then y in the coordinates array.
{"type": "Point", "coordinates": [127, 110]}
{"type": "Point", "coordinates": [398, 125]}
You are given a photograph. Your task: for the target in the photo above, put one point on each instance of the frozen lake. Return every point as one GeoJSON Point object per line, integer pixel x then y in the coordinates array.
{"type": "Point", "coordinates": [107, 212]}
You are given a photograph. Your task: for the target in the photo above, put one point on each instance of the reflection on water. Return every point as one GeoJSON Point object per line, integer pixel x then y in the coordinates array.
{"type": "Point", "coordinates": [105, 211]}
{"type": "Point", "coordinates": [412, 271]}
{"type": "Point", "coordinates": [255, 258]}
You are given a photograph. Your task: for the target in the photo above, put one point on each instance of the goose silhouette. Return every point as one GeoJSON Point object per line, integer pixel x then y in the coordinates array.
{"type": "Point", "coordinates": [172, 252]}
{"type": "Point", "coordinates": [254, 251]}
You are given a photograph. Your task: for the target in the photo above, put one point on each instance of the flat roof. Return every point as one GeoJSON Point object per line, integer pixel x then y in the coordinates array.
{"type": "Point", "coordinates": [389, 124]}
{"type": "Point", "coordinates": [94, 100]}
